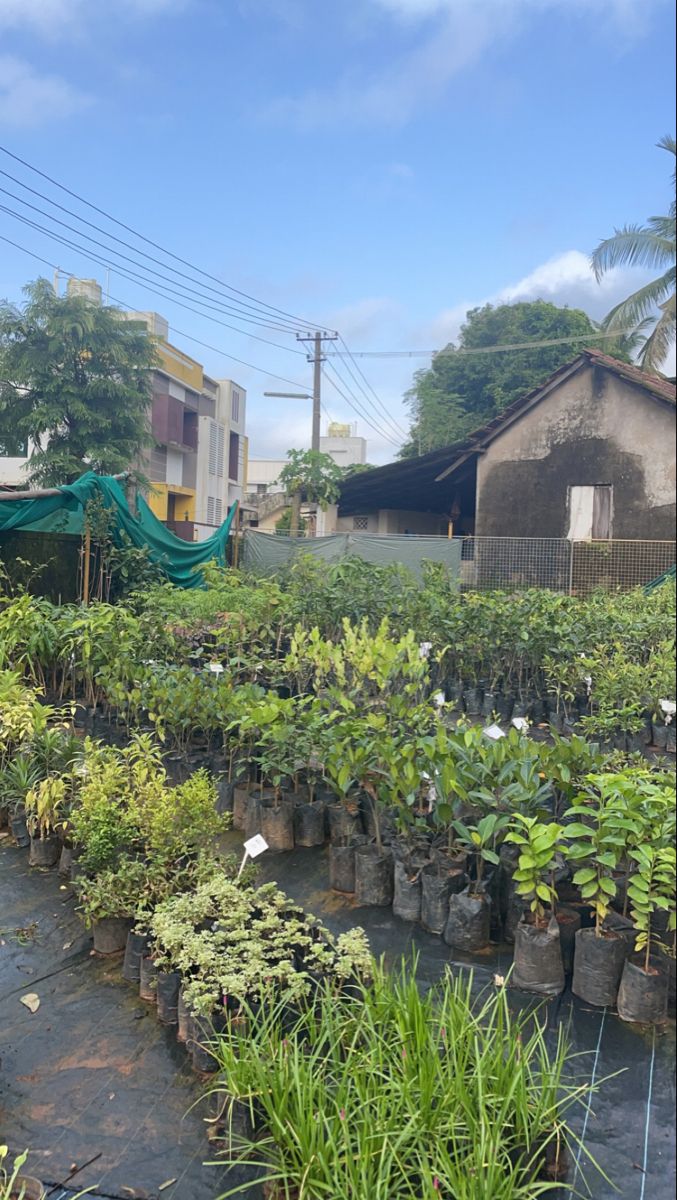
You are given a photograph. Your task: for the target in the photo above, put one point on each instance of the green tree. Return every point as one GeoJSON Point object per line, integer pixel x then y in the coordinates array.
{"type": "Point", "coordinates": [459, 392]}
{"type": "Point", "coordinates": [74, 383]}
{"type": "Point", "coordinates": [651, 246]}
{"type": "Point", "coordinates": [283, 525]}
{"type": "Point", "coordinates": [312, 476]}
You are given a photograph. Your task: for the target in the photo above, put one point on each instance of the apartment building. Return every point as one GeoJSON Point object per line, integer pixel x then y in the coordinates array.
{"type": "Point", "coordinates": [197, 464]}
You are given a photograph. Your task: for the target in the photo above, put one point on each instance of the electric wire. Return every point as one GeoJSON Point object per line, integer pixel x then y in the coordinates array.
{"type": "Point", "coordinates": [181, 333]}
{"type": "Point", "coordinates": [362, 404]}
{"type": "Point", "coordinates": [300, 322]}
{"type": "Point", "coordinates": [354, 404]}
{"type": "Point", "coordinates": [240, 313]}
{"type": "Point", "coordinates": [391, 421]}
{"type": "Point", "coordinates": [166, 293]}
{"type": "Point", "coordinates": [453, 353]}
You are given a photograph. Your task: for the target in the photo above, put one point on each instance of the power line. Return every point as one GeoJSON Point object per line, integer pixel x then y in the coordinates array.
{"type": "Point", "coordinates": [354, 404]}
{"type": "Point", "coordinates": [117, 254]}
{"type": "Point", "coordinates": [363, 407]}
{"type": "Point", "coordinates": [241, 311]}
{"type": "Point", "coordinates": [166, 293]}
{"type": "Point", "coordinates": [181, 333]}
{"type": "Point", "coordinates": [156, 245]}
{"type": "Point", "coordinates": [391, 422]}
{"type": "Point", "coordinates": [453, 353]}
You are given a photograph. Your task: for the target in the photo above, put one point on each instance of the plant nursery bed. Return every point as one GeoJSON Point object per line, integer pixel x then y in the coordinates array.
{"type": "Point", "coordinates": [90, 1074]}
{"type": "Point", "coordinates": [630, 1128]}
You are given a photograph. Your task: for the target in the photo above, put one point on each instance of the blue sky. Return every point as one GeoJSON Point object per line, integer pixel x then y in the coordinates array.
{"type": "Point", "coordinates": [372, 165]}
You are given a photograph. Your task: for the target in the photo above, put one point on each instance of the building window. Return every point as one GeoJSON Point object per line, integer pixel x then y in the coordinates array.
{"type": "Point", "coordinates": [360, 523]}
{"type": "Point", "coordinates": [235, 406]}
{"type": "Point", "coordinates": [591, 513]}
{"type": "Point", "coordinates": [214, 510]}
{"type": "Point", "coordinates": [217, 439]}
{"type": "Point", "coordinates": [234, 457]}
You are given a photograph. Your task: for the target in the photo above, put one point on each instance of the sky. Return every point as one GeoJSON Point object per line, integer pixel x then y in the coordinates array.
{"type": "Point", "coordinates": [372, 166]}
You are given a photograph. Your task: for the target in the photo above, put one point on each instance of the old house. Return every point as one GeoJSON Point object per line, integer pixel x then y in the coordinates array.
{"type": "Point", "coordinates": [589, 455]}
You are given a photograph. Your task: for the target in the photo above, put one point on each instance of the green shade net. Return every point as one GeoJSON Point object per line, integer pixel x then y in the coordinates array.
{"type": "Point", "coordinates": [65, 513]}
{"type": "Point", "coordinates": [664, 578]}
{"type": "Point", "coordinates": [267, 553]}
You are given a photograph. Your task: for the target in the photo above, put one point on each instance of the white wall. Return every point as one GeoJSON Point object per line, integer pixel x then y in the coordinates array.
{"type": "Point", "coordinates": [174, 467]}
{"type": "Point", "coordinates": [345, 451]}
{"type": "Point", "coordinates": [216, 484]}
{"type": "Point", "coordinates": [263, 471]}
{"type": "Point", "coordinates": [11, 470]}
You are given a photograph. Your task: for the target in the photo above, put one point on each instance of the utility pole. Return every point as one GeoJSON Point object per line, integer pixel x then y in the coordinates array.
{"type": "Point", "coordinates": [316, 358]}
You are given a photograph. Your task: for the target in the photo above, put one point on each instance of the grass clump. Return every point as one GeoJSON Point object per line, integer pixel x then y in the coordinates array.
{"type": "Point", "coordinates": [391, 1094]}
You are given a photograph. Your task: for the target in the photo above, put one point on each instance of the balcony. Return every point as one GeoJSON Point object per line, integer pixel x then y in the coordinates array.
{"type": "Point", "coordinates": [172, 424]}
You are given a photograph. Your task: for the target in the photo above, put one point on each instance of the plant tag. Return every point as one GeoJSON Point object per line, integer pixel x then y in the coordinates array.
{"type": "Point", "coordinates": [256, 845]}
{"type": "Point", "coordinates": [216, 668]}
{"type": "Point", "coordinates": [520, 723]}
{"type": "Point", "coordinates": [439, 699]}
{"type": "Point", "coordinates": [668, 706]}
{"type": "Point", "coordinates": [494, 732]}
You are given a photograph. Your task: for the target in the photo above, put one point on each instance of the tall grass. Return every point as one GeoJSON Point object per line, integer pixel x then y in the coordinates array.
{"type": "Point", "coordinates": [395, 1095]}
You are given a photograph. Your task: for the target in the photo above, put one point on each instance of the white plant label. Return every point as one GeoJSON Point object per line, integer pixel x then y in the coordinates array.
{"type": "Point", "coordinates": [439, 699]}
{"type": "Point", "coordinates": [520, 723]}
{"type": "Point", "coordinates": [424, 649]}
{"type": "Point", "coordinates": [494, 732]}
{"type": "Point", "coordinates": [668, 706]}
{"type": "Point", "coordinates": [216, 668]}
{"type": "Point", "coordinates": [256, 845]}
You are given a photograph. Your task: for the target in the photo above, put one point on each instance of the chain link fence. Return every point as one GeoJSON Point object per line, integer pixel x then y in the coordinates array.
{"type": "Point", "coordinates": [509, 563]}
{"type": "Point", "coordinates": [578, 568]}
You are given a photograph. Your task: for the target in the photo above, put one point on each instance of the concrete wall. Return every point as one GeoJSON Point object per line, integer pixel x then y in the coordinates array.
{"type": "Point", "coordinates": [393, 521]}
{"type": "Point", "coordinates": [345, 451]}
{"type": "Point", "coordinates": [593, 428]}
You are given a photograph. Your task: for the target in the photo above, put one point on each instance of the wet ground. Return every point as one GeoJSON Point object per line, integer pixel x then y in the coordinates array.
{"type": "Point", "coordinates": [92, 1073]}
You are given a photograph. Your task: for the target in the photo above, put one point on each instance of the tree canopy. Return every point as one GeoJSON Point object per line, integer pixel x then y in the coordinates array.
{"type": "Point", "coordinates": [313, 475]}
{"type": "Point", "coordinates": [461, 391]}
{"type": "Point", "coordinates": [652, 246]}
{"type": "Point", "coordinates": [74, 386]}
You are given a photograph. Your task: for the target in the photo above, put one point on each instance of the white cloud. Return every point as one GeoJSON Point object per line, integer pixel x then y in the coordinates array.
{"type": "Point", "coordinates": [454, 35]}
{"type": "Point", "coordinates": [28, 98]}
{"type": "Point", "coordinates": [56, 18]}
{"type": "Point", "coordinates": [565, 279]}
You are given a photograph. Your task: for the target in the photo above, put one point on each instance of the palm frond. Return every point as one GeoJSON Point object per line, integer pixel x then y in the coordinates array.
{"type": "Point", "coordinates": [635, 246]}
{"type": "Point", "coordinates": [664, 227]}
{"type": "Point", "coordinates": [658, 343]}
{"type": "Point", "coordinates": [641, 304]}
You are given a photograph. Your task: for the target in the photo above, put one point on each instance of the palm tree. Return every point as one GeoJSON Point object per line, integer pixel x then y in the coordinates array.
{"type": "Point", "coordinates": [651, 246]}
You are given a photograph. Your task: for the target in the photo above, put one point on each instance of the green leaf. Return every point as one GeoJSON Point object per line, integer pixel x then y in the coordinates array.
{"type": "Point", "coordinates": [585, 875]}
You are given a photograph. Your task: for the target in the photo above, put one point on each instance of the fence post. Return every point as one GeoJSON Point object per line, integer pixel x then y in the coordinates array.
{"type": "Point", "coordinates": [571, 566]}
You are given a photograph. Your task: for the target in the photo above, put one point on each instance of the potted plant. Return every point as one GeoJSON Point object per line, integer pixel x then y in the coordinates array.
{"type": "Point", "coordinates": [46, 805]}
{"type": "Point", "coordinates": [17, 777]}
{"type": "Point", "coordinates": [538, 963]}
{"type": "Point", "coordinates": [14, 1185]}
{"type": "Point", "coordinates": [468, 923]}
{"type": "Point", "coordinates": [598, 834]}
{"type": "Point", "coordinates": [643, 991]}
{"type": "Point", "coordinates": [109, 901]}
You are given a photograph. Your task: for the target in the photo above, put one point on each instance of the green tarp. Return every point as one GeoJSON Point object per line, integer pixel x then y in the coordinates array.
{"type": "Point", "coordinates": [267, 552]}
{"type": "Point", "coordinates": [64, 513]}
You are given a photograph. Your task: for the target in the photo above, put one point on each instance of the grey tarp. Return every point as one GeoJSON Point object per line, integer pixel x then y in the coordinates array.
{"type": "Point", "coordinates": [267, 552]}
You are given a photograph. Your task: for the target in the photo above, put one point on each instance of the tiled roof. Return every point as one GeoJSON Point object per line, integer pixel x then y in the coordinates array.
{"type": "Point", "coordinates": [658, 384]}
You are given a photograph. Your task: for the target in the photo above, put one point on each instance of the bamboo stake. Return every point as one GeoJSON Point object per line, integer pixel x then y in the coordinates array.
{"type": "Point", "coordinates": [85, 569]}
